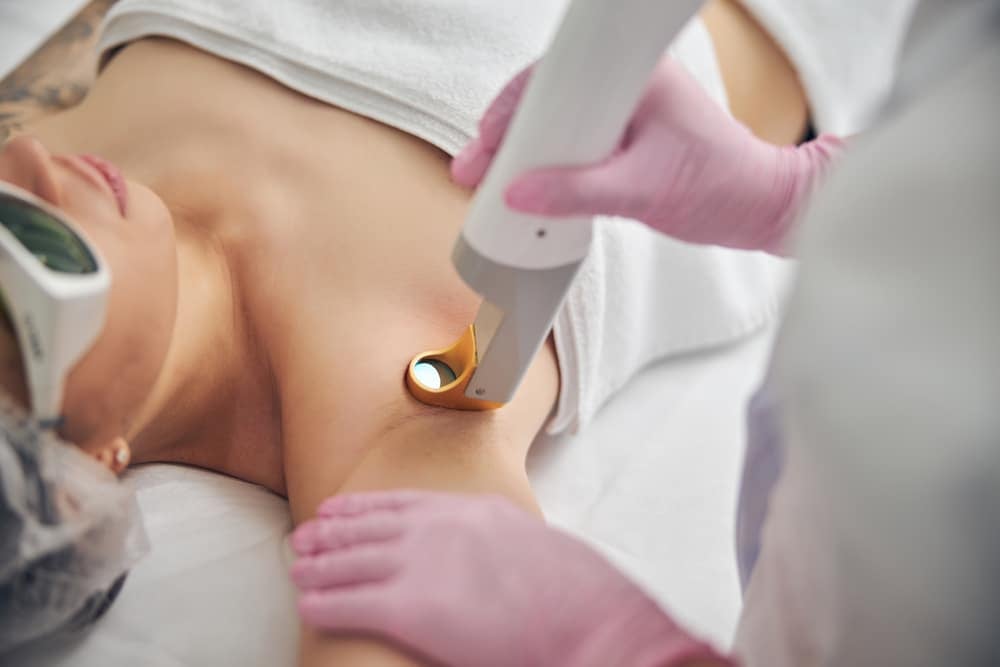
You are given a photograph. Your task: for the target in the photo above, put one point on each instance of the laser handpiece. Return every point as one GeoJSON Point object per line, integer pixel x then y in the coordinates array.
{"type": "Point", "coordinates": [574, 110]}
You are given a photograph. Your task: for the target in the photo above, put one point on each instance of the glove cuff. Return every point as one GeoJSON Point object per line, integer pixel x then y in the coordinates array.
{"type": "Point", "coordinates": [801, 170]}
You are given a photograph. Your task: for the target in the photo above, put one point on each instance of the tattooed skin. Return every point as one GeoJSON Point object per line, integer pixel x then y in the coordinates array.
{"type": "Point", "coordinates": [57, 75]}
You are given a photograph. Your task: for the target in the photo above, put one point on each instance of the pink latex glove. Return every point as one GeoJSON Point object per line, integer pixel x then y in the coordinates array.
{"type": "Point", "coordinates": [684, 167]}
{"type": "Point", "coordinates": [474, 581]}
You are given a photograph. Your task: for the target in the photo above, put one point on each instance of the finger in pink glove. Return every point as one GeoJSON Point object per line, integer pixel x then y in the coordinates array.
{"type": "Point", "coordinates": [472, 580]}
{"type": "Point", "coordinates": [684, 167]}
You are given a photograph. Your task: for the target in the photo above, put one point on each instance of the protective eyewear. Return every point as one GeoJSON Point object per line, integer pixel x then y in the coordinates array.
{"type": "Point", "coordinates": [53, 292]}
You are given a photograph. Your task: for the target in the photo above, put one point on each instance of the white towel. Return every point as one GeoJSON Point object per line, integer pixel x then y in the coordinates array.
{"type": "Point", "coordinates": [431, 69]}
{"type": "Point", "coordinates": [427, 67]}
{"type": "Point", "coordinates": [845, 51]}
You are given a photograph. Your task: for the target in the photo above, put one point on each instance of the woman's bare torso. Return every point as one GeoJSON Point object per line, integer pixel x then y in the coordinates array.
{"type": "Point", "coordinates": [339, 230]}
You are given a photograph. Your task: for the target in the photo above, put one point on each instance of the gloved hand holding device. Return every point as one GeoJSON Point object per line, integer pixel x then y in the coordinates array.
{"type": "Point", "coordinates": [425, 570]}
{"type": "Point", "coordinates": [684, 167]}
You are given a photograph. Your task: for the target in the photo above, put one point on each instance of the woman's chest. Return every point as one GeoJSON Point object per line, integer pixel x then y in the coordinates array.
{"type": "Point", "coordinates": [348, 277]}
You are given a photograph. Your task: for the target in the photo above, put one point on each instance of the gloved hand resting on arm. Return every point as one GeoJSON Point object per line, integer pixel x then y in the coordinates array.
{"type": "Point", "coordinates": [684, 167]}
{"type": "Point", "coordinates": [473, 580]}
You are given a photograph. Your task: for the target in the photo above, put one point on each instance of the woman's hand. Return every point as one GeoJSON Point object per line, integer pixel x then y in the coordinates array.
{"type": "Point", "coordinates": [472, 580]}
{"type": "Point", "coordinates": [684, 167]}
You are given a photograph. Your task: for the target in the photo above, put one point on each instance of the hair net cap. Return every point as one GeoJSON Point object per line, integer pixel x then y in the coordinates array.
{"type": "Point", "coordinates": [69, 531]}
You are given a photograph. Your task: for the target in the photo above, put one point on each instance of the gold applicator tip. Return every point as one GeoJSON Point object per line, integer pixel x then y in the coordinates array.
{"type": "Point", "coordinates": [441, 377]}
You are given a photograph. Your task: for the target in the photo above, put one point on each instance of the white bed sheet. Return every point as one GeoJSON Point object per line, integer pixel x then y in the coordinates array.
{"type": "Point", "coordinates": [651, 483]}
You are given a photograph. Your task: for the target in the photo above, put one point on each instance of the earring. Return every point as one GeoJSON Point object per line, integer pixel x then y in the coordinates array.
{"type": "Point", "coordinates": [121, 456]}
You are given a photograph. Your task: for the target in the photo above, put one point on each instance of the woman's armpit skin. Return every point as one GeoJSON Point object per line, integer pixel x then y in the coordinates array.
{"type": "Point", "coordinates": [57, 75]}
{"type": "Point", "coordinates": [420, 446]}
{"type": "Point", "coordinates": [446, 450]}
{"type": "Point", "coordinates": [466, 451]}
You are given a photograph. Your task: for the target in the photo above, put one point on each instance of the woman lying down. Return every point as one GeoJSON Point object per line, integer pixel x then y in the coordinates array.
{"type": "Point", "coordinates": [273, 202]}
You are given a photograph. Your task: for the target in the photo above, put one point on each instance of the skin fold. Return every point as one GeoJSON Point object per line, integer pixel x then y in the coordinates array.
{"type": "Point", "coordinates": [279, 263]}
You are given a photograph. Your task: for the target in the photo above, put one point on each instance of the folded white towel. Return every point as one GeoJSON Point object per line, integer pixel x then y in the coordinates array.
{"type": "Point", "coordinates": [426, 67]}
{"type": "Point", "coordinates": [431, 69]}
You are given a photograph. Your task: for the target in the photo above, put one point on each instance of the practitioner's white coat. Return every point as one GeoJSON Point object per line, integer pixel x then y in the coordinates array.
{"type": "Point", "coordinates": [881, 545]}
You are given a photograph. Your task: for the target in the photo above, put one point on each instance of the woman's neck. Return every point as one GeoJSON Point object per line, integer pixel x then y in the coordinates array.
{"type": "Point", "coordinates": [215, 387]}
{"type": "Point", "coordinates": [215, 394]}
{"type": "Point", "coordinates": [201, 356]}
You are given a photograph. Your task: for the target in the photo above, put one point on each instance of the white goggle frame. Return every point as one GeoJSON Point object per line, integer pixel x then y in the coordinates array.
{"type": "Point", "coordinates": [56, 316]}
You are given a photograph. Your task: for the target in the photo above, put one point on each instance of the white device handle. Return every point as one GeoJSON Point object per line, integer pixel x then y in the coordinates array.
{"type": "Point", "coordinates": [574, 111]}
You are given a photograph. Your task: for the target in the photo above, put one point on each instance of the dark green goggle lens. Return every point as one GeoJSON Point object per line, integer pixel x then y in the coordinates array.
{"type": "Point", "coordinates": [49, 239]}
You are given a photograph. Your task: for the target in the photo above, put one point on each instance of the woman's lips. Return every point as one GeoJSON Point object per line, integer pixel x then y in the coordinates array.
{"type": "Point", "coordinates": [113, 177]}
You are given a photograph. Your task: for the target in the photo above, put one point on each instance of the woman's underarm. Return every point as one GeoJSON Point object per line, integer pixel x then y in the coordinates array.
{"type": "Point", "coordinates": [385, 439]}
{"type": "Point", "coordinates": [417, 446]}
{"type": "Point", "coordinates": [464, 451]}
